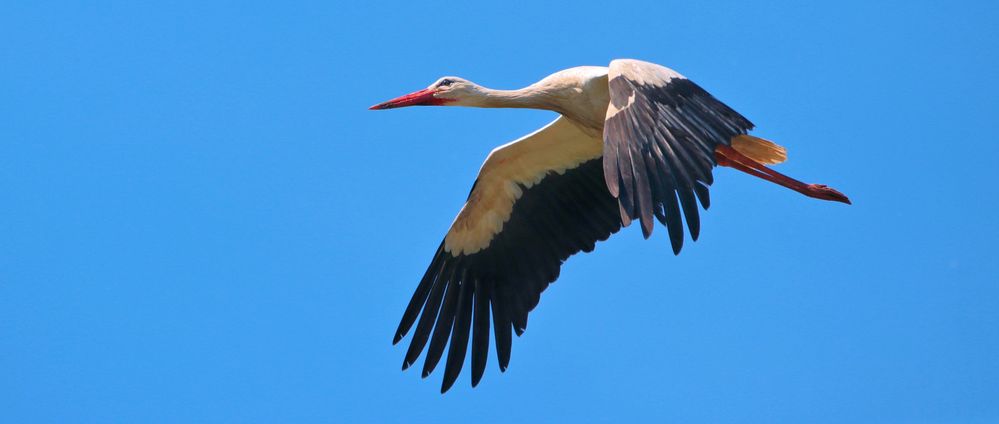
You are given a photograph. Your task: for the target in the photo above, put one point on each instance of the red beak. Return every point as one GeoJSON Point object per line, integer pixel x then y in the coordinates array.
{"type": "Point", "coordinates": [423, 97]}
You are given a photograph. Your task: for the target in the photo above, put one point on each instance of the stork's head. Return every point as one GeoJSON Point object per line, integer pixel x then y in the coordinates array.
{"type": "Point", "coordinates": [447, 91]}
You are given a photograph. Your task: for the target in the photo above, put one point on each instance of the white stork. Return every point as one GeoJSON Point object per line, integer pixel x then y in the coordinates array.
{"type": "Point", "coordinates": [634, 140]}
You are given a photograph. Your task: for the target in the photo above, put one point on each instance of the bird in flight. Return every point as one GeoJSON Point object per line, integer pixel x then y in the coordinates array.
{"type": "Point", "coordinates": [633, 141]}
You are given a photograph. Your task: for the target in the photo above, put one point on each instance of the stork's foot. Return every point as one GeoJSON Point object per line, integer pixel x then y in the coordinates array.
{"type": "Point", "coordinates": [824, 192]}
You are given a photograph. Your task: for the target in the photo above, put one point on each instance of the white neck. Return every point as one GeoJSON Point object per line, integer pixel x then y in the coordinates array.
{"type": "Point", "coordinates": [531, 97]}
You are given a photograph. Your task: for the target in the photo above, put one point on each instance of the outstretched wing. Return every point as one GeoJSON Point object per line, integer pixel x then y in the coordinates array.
{"type": "Point", "coordinates": [659, 140]}
{"type": "Point", "coordinates": [536, 201]}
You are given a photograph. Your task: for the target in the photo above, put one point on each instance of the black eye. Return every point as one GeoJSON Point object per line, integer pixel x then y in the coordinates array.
{"type": "Point", "coordinates": [445, 83]}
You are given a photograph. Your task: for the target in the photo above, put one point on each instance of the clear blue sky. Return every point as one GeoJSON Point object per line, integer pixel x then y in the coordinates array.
{"type": "Point", "coordinates": [201, 222]}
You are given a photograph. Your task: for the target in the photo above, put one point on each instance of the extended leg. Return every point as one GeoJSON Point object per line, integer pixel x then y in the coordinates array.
{"type": "Point", "coordinates": [727, 156]}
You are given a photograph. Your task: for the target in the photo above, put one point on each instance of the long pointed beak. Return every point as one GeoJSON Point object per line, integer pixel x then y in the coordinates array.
{"type": "Point", "coordinates": [423, 97]}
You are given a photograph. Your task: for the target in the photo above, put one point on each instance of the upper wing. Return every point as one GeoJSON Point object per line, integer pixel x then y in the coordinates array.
{"type": "Point", "coordinates": [659, 140]}
{"type": "Point", "coordinates": [536, 201]}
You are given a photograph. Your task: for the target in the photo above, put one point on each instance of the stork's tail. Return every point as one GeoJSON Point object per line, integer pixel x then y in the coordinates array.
{"type": "Point", "coordinates": [759, 150]}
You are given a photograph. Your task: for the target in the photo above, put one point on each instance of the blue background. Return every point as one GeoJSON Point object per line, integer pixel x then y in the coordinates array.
{"type": "Point", "coordinates": [201, 222]}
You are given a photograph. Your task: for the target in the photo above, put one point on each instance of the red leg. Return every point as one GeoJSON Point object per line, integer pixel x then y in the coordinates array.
{"type": "Point", "coordinates": [727, 156]}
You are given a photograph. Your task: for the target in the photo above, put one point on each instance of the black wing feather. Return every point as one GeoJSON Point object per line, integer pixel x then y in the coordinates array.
{"type": "Point", "coordinates": [459, 334]}
{"type": "Point", "coordinates": [675, 125]}
{"type": "Point", "coordinates": [480, 330]}
{"type": "Point", "coordinates": [553, 219]}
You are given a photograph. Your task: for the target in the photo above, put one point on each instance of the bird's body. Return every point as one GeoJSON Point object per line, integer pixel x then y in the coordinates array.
{"type": "Point", "coordinates": [634, 141]}
{"type": "Point", "coordinates": [580, 94]}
